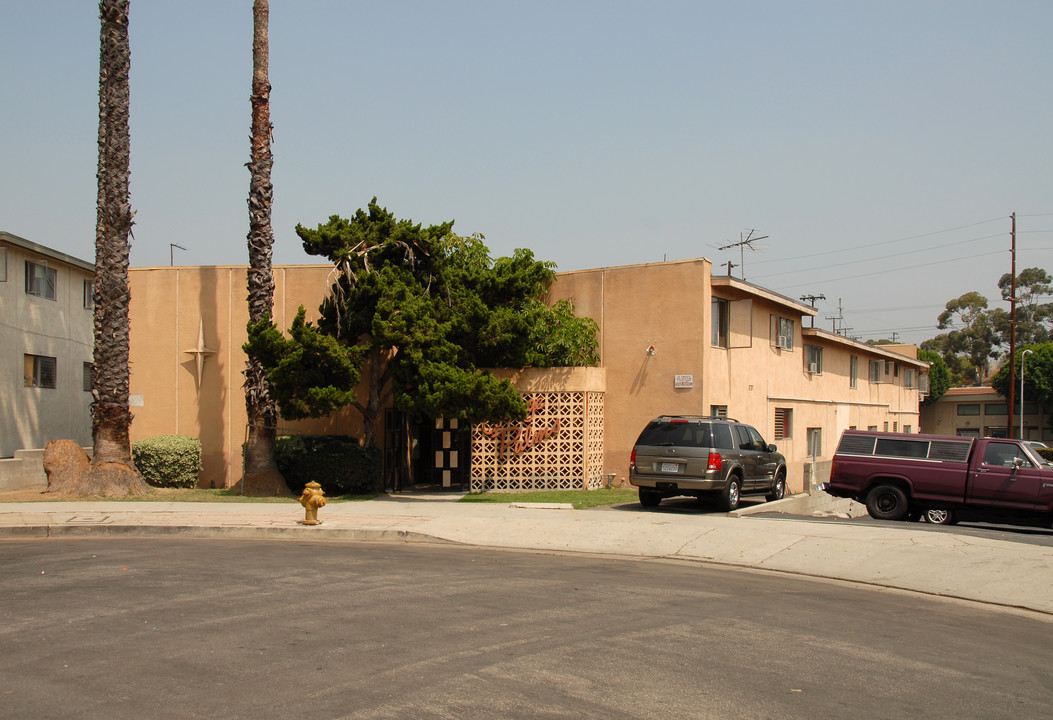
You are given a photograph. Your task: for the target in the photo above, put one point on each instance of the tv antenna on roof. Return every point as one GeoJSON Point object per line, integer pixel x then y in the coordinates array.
{"type": "Point", "coordinates": [744, 242]}
{"type": "Point", "coordinates": [171, 252]}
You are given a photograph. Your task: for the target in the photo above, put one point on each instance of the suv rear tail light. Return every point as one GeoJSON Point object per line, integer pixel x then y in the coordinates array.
{"type": "Point", "coordinates": [632, 460]}
{"type": "Point", "coordinates": [714, 462]}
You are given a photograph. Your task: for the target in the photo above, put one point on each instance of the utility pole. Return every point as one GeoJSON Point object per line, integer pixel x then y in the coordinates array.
{"type": "Point", "coordinates": [810, 299]}
{"type": "Point", "coordinates": [1012, 328]}
{"type": "Point", "coordinates": [837, 318]}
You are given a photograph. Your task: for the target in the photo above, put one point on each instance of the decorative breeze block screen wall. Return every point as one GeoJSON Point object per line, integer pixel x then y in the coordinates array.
{"type": "Point", "coordinates": [558, 447]}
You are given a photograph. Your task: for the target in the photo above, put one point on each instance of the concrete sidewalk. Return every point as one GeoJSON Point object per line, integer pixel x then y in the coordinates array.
{"type": "Point", "coordinates": [907, 556]}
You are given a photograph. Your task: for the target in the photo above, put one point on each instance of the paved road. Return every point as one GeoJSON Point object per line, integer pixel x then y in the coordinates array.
{"type": "Point", "coordinates": [177, 628]}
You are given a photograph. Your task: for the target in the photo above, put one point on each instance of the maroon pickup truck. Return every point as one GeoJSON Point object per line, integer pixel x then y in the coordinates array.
{"type": "Point", "coordinates": [902, 476]}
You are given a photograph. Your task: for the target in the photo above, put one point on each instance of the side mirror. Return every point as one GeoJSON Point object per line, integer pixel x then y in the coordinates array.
{"type": "Point", "coordinates": [773, 448]}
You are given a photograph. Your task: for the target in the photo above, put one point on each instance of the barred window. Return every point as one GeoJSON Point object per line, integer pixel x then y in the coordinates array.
{"type": "Point", "coordinates": [41, 371]}
{"type": "Point", "coordinates": [783, 423]}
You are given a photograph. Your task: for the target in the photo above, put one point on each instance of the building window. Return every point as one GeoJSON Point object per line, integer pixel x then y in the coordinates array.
{"type": "Point", "coordinates": [871, 428]}
{"type": "Point", "coordinates": [908, 429]}
{"type": "Point", "coordinates": [3, 264]}
{"type": "Point", "coordinates": [783, 423]}
{"type": "Point", "coordinates": [908, 378]}
{"type": "Point", "coordinates": [895, 427]}
{"type": "Point", "coordinates": [886, 426]}
{"type": "Point", "coordinates": [782, 332]}
{"type": "Point", "coordinates": [720, 323]}
{"type": "Point", "coordinates": [718, 411]}
{"type": "Point", "coordinates": [969, 409]}
{"type": "Point", "coordinates": [89, 295]}
{"type": "Point", "coordinates": [40, 280]}
{"type": "Point", "coordinates": [813, 358]}
{"type": "Point", "coordinates": [876, 374]}
{"type": "Point", "coordinates": [86, 380]}
{"type": "Point", "coordinates": [40, 371]}
{"type": "Point", "coordinates": [815, 442]}
{"type": "Point", "coordinates": [853, 371]}
{"type": "Point", "coordinates": [995, 408]}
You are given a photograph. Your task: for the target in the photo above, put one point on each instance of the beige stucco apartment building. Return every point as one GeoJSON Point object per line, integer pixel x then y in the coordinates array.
{"type": "Point", "coordinates": [673, 339]}
{"type": "Point", "coordinates": [982, 412]}
{"type": "Point", "coordinates": [46, 340]}
{"type": "Point", "coordinates": [676, 339]}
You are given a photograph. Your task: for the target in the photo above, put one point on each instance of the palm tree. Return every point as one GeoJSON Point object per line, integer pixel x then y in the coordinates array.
{"type": "Point", "coordinates": [112, 472]}
{"type": "Point", "coordinates": [261, 475]}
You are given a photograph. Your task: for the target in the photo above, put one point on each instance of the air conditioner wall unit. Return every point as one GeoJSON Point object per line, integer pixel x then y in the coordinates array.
{"type": "Point", "coordinates": [782, 342]}
{"type": "Point", "coordinates": [813, 368]}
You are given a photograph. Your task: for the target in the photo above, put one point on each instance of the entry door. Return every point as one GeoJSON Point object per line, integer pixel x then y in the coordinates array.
{"type": "Point", "coordinates": [450, 442]}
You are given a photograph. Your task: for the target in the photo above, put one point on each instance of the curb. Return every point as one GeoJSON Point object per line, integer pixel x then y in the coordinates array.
{"type": "Point", "coordinates": [277, 533]}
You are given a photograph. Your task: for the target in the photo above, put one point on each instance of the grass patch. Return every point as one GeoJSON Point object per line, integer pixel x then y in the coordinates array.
{"type": "Point", "coordinates": [580, 499]}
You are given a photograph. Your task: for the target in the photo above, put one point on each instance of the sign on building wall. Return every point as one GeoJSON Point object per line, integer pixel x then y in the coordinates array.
{"type": "Point", "coordinates": [683, 381]}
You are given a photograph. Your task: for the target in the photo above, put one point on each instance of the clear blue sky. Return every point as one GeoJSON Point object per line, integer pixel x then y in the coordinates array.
{"type": "Point", "coordinates": [881, 146]}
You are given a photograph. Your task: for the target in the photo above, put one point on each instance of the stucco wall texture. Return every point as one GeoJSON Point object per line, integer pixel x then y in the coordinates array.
{"type": "Point", "coordinates": [657, 357]}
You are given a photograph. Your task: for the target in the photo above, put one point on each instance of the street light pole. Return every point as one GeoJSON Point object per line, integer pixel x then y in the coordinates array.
{"type": "Point", "coordinates": [1023, 356]}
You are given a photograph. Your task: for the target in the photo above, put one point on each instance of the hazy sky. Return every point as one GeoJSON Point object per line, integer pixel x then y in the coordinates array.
{"type": "Point", "coordinates": [880, 146]}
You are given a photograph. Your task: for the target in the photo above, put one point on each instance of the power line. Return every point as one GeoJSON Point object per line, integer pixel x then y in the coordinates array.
{"type": "Point", "coordinates": [813, 281]}
{"type": "Point", "coordinates": [887, 242]}
{"type": "Point", "coordinates": [881, 257]}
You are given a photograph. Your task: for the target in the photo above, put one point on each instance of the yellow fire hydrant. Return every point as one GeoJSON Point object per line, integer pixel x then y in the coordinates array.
{"type": "Point", "coordinates": [313, 497]}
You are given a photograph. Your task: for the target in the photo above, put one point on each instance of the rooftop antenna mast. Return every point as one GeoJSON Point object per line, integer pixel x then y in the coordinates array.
{"type": "Point", "coordinates": [744, 242]}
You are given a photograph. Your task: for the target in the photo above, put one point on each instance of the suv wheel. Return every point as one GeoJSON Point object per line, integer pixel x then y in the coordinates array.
{"type": "Point", "coordinates": [649, 498]}
{"type": "Point", "coordinates": [729, 499]}
{"type": "Point", "coordinates": [778, 490]}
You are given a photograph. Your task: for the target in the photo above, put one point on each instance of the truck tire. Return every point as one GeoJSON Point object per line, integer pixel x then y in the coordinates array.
{"type": "Point", "coordinates": [887, 502]}
{"type": "Point", "coordinates": [729, 498]}
{"type": "Point", "coordinates": [940, 517]}
{"type": "Point", "coordinates": [650, 498]}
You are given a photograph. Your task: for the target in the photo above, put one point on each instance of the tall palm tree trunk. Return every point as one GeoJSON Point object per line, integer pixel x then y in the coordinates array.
{"type": "Point", "coordinates": [261, 475]}
{"type": "Point", "coordinates": [112, 472]}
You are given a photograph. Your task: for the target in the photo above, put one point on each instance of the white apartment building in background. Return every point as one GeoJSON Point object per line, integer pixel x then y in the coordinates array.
{"type": "Point", "coordinates": [46, 340]}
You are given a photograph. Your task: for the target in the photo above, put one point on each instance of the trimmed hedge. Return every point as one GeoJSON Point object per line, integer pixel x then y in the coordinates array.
{"type": "Point", "coordinates": [170, 461]}
{"type": "Point", "coordinates": [336, 462]}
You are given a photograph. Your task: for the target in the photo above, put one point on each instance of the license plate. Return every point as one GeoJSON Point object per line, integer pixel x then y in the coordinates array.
{"type": "Point", "coordinates": [670, 467]}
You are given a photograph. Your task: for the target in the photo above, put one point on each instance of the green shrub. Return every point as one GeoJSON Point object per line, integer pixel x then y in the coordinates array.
{"type": "Point", "coordinates": [1045, 453]}
{"type": "Point", "coordinates": [336, 462]}
{"type": "Point", "coordinates": [171, 461]}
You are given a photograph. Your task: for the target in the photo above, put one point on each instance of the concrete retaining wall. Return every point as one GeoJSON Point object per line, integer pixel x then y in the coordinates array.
{"type": "Point", "coordinates": [25, 471]}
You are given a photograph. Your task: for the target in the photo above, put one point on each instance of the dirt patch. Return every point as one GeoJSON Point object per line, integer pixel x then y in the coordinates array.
{"type": "Point", "coordinates": [28, 496]}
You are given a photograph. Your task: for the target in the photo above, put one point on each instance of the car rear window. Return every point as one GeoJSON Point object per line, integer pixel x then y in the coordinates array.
{"type": "Point", "coordinates": [681, 434]}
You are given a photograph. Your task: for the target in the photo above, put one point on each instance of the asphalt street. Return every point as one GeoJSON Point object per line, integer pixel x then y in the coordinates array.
{"type": "Point", "coordinates": [106, 627]}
